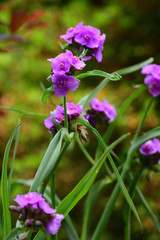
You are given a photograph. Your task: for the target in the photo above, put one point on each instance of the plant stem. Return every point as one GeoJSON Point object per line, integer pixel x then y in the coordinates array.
{"type": "Point", "coordinates": [127, 208]}
{"type": "Point", "coordinates": [65, 114]}
{"type": "Point", "coordinates": [86, 154]}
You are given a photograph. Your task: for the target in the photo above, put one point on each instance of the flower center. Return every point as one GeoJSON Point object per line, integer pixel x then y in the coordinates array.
{"type": "Point", "coordinates": [62, 83]}
{"type": "Point", "coordinates": [87, 36]}
{"type": "Point", "coordinates": [61, 65]}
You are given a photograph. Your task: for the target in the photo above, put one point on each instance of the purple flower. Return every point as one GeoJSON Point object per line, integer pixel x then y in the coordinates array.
{"type": "Point", "coordinates": [63, 84]}
{"type": "Point", "coordinates": [156, 143]}
{"type": "Point", "coordinates": [152, 69]}
{"type": "Point", "coordinates": [73, 109]}
{"type": "Point", "coordinates": [31, 198]}
{"type": "Point", "coordinates": [71, 32]}
{"type": "Point", "coordinates": [109, 110]}
{"type": "Point", "coordinates": [97, 105]}
{"type": "Point", "coordinates": [154, 85]}
{"type": "Point", "coordinates": [63, 62]}
{"type": "Point", "coordinates": [148, 148]}
{"type": "Point", "coordinates": [153, 78]}
{"type": "Point", "coordinates": [74, 61]}
{"type": "Point", "coordinates": [60, 64]}
{"type": "Point", "coordinates": [54, 224]}
{"type": "Point", "coordinates": [88, 37]}
{"type": "Point", "coordinates": [39, 216]}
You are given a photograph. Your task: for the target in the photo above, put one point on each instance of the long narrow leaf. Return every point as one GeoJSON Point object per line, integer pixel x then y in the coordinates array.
{"type": "Point", "coordinates": [146, 206]}
{"type": "Point", "coordinates": [13, 233]}
{"type": "Point", "coordinates": [112, 77]}
{"type": "Point", "coordinates": [49, 160]}
{"type": "Point", "coordinates": [135, 67]}
{"type": "Point", "coordinates": [4, 192]}
{"type": "Point", "coordinates": [25, 112]}
{"type": "Point", "coordinates": [83, 186]}
{"type": "Point", "coordinates": [13, 158]}
{"type": "Point", "coordinates": [40, 236]}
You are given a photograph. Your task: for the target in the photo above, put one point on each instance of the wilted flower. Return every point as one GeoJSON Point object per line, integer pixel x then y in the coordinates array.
{"type": "Point", "coordinates": [35, 213]}
{"type": "Point", "coordinates": [153, 78]}
{"type": "Point", "coordinates": [89, 38]}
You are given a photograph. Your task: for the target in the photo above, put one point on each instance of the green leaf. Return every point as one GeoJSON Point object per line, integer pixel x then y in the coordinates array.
{"type": "Point", "coordinates": [83, 186]}
{"type": "Point", "coordinates": [4, 184]}
{"type": "Point", "coordinates": [46, 94]}
{"type": "Point", "coordinates": [13, 233]}
{"type": "Point", "coordinates": [50, 160]}
{"type": "Point", "coordinates": [13, 158]}
{"type": "Point", "coordinates": [24, 112]}
{"type": "Point", "coordinates": [40, 236]}
{"type": "Point", "coordinates": [124, 189]}
{"type": "Point", "coordinates": [112, 77]}
{"type": "Point", "coordinates": [89, 204]}
{"type": "Point", "coordinates": [135, 67]}
{"type": "Point", "coordinates": [148, 209]}
{"type": "Point", "coordinates": [87, 99]}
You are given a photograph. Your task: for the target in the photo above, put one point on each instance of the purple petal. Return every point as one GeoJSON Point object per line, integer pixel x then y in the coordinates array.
{"type": "Point", "coordinates": [44, 206]}
{"type": "Point", "coordinates": [72, 84]}
{"type": "Point", "coordinates": [148, 148]}
{"type": "Point", "coordinates": [54, 224]}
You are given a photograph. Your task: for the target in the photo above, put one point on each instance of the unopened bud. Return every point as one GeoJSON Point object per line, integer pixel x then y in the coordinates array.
{"type": "Point", "coordinates": [38, 223]}
{"type": "Point", "coordinates": [14, 208]}
{"type": "Point", "coordinates": [29, 222]}
{"type": "Point", "coordinates": [23, 236]}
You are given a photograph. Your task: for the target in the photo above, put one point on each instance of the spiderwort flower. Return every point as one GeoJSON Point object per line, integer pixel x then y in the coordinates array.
{"type": "Point", "coordinates": [63, 84]}
{"type": "Point", "coordinates": [100, 111]}
{"type": "Point", "coordinates": [35, 213]}
{"type": "Point", "coordinates": [73, 112]}
{"type": "Point", "coordinates": [148, 148]}
{"type": "Point", "coordinates": [63, 62]}
{"type": "Point", "coordinates": [153, 78]}
{"type": "Point", "coordinates": [89, 38]}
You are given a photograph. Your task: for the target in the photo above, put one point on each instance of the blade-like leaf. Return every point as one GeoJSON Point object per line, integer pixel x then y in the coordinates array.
{"type": "Point", "coordinates": [46, 94]}
{"type": "Point", "coordinates": [40, 236]}
{"type": "Point", "coordinates": [49, 161]}
{"type": "Point", "coordinates": [112, 77]}
{"type": "Point", "coordinates": [13, 233]}
{"type": "Point", "coordinates": [25, 112]}
{"type": "Point", "coordinates": [89, 204]}
{"type": "Point", "coordinates": [135, 67]}
{"type": "Point", "coordinates": [4, 184]}
{"type": "Point", "coordinates": [13, 158]}
{"type": "Point", "coordinates": [83, 186]}
{"type": "Point", "coordinates": [87, 99]}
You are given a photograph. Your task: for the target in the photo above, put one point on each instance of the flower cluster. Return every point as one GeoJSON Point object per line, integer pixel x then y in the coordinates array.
{"type": "Point", "coordinates": [87, 37]}
{"type": "Point", "coordinates": [151, 148]}
{"type": "Point", "coordinates": [100, 111]}
{"type": "Point", "coordinates": [36, 213]}
{"type": "Point", "coordinates": [73, 113]}
{"type": "Point", "coordinates": [153, 78]}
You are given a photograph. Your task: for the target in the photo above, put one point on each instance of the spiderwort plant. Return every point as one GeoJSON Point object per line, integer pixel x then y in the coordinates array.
{"type": "Point", "coordinates": [69, 122]}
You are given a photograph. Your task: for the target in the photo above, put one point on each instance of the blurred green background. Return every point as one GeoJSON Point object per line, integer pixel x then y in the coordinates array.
{"type": "Point", "coordinates": [132, 35]}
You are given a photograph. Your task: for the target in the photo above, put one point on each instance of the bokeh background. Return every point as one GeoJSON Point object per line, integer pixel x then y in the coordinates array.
{"type": "Point", "coordinates": [132, 35]}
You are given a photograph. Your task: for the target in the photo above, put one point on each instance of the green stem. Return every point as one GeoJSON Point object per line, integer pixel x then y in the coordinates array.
{"type": "Point", "coordinates": [42, 188]}
{"type": "Point", "coordinates": [143, 119]}
{"type": "Point", "coordinates": [65, 114]}
{"type": "Point", "coordinates": [127, 208]}
{"type": "Point", "coordinates": [127, 166]}
{"type": "Point", "coordinates": [86, 154]}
